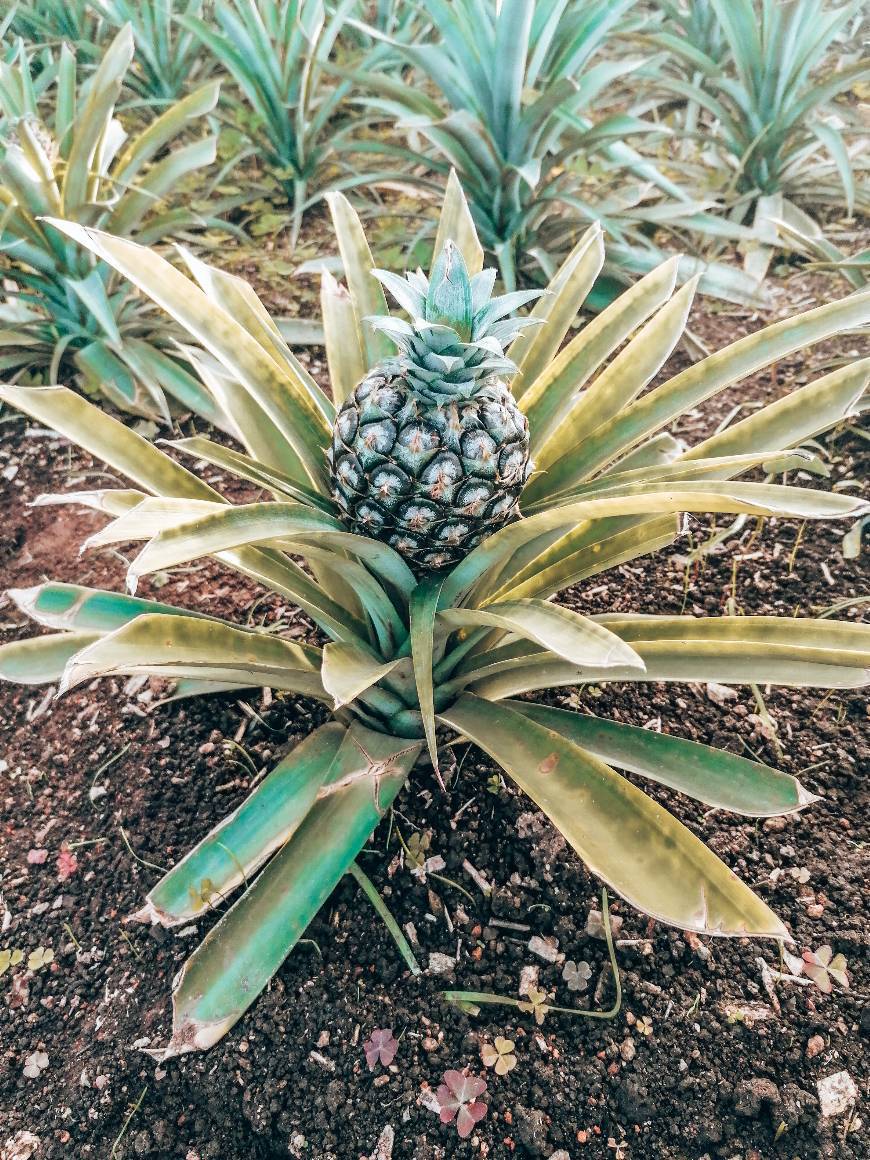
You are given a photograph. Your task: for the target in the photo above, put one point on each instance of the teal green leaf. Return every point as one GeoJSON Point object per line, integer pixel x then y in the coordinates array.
{"type": "Point", "coordinates": [71, 606]}
{"type": "Point", "coordinates": [713, 776]}
{"type": "Point", "coordinates": [236, 848]}
{"type": "Point", "coordinates": [423, 608]}
{"type": "Point", "coordinates": [243, 951]}
{"type": "Point", "coordinates": [42, 659]}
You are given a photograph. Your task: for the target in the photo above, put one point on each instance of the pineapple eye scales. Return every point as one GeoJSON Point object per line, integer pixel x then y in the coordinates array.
{"type": "Point", "coordinates": [435, 425]}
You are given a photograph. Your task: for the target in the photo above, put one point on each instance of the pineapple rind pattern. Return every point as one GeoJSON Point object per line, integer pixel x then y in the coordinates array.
{"type": "Point", "coordinates": [430, 479]}
{"type": "Point", "coordinates": [430, 452]}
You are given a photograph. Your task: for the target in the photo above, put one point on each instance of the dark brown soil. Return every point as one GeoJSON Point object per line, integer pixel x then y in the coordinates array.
{"type": "Point", "coordinates": [727, 1070]}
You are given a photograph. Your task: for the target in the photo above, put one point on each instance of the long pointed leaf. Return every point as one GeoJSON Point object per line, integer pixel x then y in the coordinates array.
{"type": "Point", "coordinates": [642, 499]}
{"type": "Point", "coordinates": [365, 290]}
{"type": "Point", "coordinates": [423, 608]}
{"type": "Point", "coordinates": [623, 836]}
{"type": "Point", "coordinates": [457, 225]}
{"type": "Point", "coordinates": [42, 659]}
{"type": "Point", "coordinates": [797, 416]}
{"type": "Point", "coordinates": [108, 439]}
{"type": "Point", "coordinates": [179, 646]}
{"type": "Point", "coordinates": [713, 776]}
{"type": "Point", "coordinates": [728, 662]}
{"type": "Point", "coordinates": [344, 350]}
{"type": "Point", "coordinates": [348, 670]}
{"type": "Point", "coordinates": [699, 382]}
{"type": "Point", "coordinates": [236, 848]}
{"type": "Point", "coordinates": [241, 954]}
{"type": "Point", "coordinates": [560, 630]}
{"type": "Point", "coordinates": [535, 348]}
{"type": "Point", "coordinates": [73, 607]}
{"type": "Point", "coordinates": [613, 390]}
{"type": "Point", "coordinates": [550, 394]}
{"type": "Point", "coordinates": [282, 394]}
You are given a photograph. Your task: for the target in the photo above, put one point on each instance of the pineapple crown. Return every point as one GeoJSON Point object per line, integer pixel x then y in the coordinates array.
{"type": "Point", "coordinates": [456, 339]}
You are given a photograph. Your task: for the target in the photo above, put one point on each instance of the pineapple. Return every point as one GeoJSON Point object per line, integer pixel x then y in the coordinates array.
{"type": "Point", "coordinates": [430, 452]}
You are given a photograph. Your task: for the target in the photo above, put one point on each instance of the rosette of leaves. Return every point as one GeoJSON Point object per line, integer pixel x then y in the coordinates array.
{"type": "Point", "coordinates": [46, 21]}
{"type": "Point", "coordinates": [769, 110]}
{"type": "Point", "coordinates": [168, 58]}
{"type": "Point", "coordinates": [461, 649]}
{"type": "Point", "coordinates": [822, 252]}
{"type": "Point", "coordinates": [283, 103]}
{"type": "Point", "coordinates": [68, 311]}
{"type": "Point", "coordinates": [517, 100]}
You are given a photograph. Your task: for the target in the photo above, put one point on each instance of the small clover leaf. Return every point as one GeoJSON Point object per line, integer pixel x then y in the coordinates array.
{"type": "Point", "coordinates": [537, 1004]}
{"type": "Point", "coordinates": [381, 1047]}
{"type": "Point", "coordinates": [459, 1099]}
{"type": "Point", "coordinates": [821, 967]}
{"type": "Point", "coordinates": [35, 1063]}
{"type": "Point", "coordinates": [499, 1055]}
{"type": "Point", "coordinates": [577, 975]}
{"type": "Point", "coordinates": [10, 958]}
{"type": "Point", "coordinates": [40, 958]}
{"type": "Point", "coordinates": [417, 850]}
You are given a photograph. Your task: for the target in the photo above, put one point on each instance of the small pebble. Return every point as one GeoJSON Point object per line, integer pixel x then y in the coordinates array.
{"type": "Point", "coordinates": [528, 979]}
{"type": "Point", "coordinates": [837, 1093]}
{"type": "Point", "coordinates": [441, 964]}
{"type": "Point", "coordinates": [545, 948]}
{"type": "Point", "coordinates": [595, 924]}
{"type": "Point", "coordinates": [814, 1046]}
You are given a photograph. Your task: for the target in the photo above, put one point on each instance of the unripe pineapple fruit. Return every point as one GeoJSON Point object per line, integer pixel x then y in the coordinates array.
{"type": "Point", "coordinates": [430, 452]}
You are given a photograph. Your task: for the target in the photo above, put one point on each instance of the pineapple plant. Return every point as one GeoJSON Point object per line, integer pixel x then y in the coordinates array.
{"type": "Point", "coordinates": [63, 312]}
{"type": "Point", "coordinates": [281, 55]}
{"type": "Point", "coordinates": [401, 652]}
{"type": "Point", "coordinates": [525, 101]}
{"type": "Point", "coordinates": [430, 452]}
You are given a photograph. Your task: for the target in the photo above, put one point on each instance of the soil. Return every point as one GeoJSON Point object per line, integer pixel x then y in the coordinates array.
{"type": "Point", "coordinates": [706, 1058]}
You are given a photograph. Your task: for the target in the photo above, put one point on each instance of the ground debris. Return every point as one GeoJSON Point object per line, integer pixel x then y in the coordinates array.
{"type": "Point", "coordinates": [837, 1093]}
{"type": "Point", "coordinates": [21, 1146]}
{"type": "Point", "coordinates": [545, 948]}
{"type": "Point", "coordinates": [441, 964]}
{"type": "Point", "coordinates": [384, 1147]}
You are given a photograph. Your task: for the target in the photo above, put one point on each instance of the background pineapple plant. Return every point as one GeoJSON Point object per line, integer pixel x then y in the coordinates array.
{"type": "Point", "coordinates": [62, 312]}
{"type": "Point", "coordinates": [458, 646]}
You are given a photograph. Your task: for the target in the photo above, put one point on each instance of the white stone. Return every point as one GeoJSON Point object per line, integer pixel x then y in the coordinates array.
{"type": "Point", "coordinates": [384, 1147]}
{"type": "Point", "coordinates": [441, 964]}
{"type": "Point", "coordinates": [528, 979]}
{"type": "Point", "coordinates": [545, 948]}
{"type": "Point", "coordinates": [719, 694]}
{"type": "Point", "coordinates": [21, 1146]}
{"type": "Point", "coordinates": [837, 1093]}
